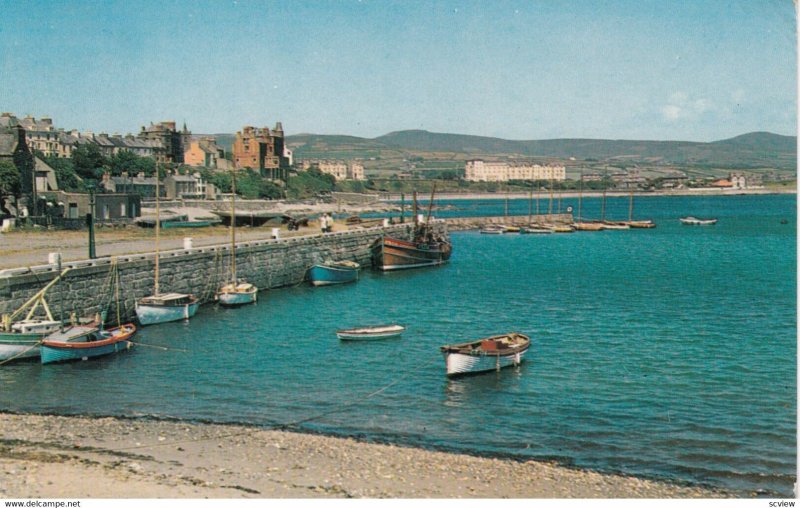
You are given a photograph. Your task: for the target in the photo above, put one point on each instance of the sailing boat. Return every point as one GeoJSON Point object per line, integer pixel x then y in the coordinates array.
{"type": "Point", "coordinates": [641, 224]}
{"type": "Point", "coordinates": [81, 342]}
{"type": "Point", "coordinates": [21, 339]}
{"type": "Point", "coordinates": [425, 248]}
{"type": "Point", "coordinates": [235, 292]}
{"type": "Point", "coordinates": [582, 225]}
{"type": "Point", "coordinates": [166, 307]}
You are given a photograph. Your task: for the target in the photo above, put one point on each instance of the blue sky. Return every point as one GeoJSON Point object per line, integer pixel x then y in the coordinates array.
{"type": "Point", "coordinates": [697, 71]}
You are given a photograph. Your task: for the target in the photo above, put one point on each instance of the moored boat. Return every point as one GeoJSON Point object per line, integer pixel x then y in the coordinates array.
{"type": "Point", "coordinates": [163, 308]}
{"type": "Point", "coordinates": [329, 273]}
{"type": "Point", "coordinates": [615, 225]}
{"type": "Point", "coordinates": [493, 230]}
{"type": "Point", "coordinates": [394, 254]}
{"type": "Point", "coordinates": [535, 230]}
{"type": "Point", "coordinates": [589, 226]}
{"type": "Point", "coordinates": [236, 292]}
{"type": "Point", "coordinates": [371, 332]}
{"type": "Point", "coordinates": [641, 224]}
{"type": "Point", "coordinates": [483, 355]}
{"type": "Point", "coordinates": [82, 342]}
{"type": "Point", "coordinates": [694, 221]}
{"type": "Point", "coordinates": [561, 228]}
{"type": "Point", "coordinates": [24, 338]}
{"type": "Point", "coordinates": [240, 293]}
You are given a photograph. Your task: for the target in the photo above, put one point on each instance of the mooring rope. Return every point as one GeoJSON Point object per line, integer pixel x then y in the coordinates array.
{"type": "Point", "coordinates": [21, 353]}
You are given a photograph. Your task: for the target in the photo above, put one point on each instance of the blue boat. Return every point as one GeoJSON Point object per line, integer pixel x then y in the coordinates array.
{"type": "Point", "coordinates": [333, 273]}
{"type": "Point", "coordinates": [165, 308]}
{"type": "Point", "coordinates": [84, 342]}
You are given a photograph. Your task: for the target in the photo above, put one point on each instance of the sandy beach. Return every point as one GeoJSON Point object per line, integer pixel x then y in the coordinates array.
{"type": "Point", "coordinates": [54, 457]}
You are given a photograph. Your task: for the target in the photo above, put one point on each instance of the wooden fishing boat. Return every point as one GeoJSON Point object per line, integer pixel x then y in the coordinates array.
{"type": "Point", "coordinates": [511, 229]}
{"type": "Point", "coordinates": [236, 292]}
{"type": "Point", "coordinates": [163, 308]}
{"type": "Point", "coordinates": [694, 221]}
{"type": "Point", "coordinates": [394, 254]}
{"type": "Point", "coordinates": [562, 229]}
{"type": "Point", "coordinates": [330, 273]}
{"type": "Point", "coordinates": [85, 341]}
{"type": "Point", "coordinates": [484, 355]}
{"type": "Point", "coordinates": [371, 332]}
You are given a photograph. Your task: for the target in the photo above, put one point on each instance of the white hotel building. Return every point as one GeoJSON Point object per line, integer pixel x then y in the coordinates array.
{"type": "Point", "coordinates": [481, 171]}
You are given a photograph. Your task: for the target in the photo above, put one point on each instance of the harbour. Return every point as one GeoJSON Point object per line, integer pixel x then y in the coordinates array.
{"type": "Point", "coordinates": [665, 353]}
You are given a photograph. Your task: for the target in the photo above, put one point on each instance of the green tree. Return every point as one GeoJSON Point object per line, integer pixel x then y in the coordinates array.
{"type": "Point", "coordinates": [68, 180]}
{"type": "Point", "coordinates": [131, 163]}
{"type": "Point", "coordinates": [89, 161]}
{"type": "Point", "coordinates": [10, 186]}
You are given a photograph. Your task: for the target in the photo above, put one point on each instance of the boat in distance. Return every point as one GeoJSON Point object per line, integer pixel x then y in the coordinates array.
{"type": "Point", "coordinates": [166, 307]}
{"type": "Point", "coordinates": [85, 341]}
{"type": "Point", "coordinates": [329, 273]}
{"type": "Point", "coordinates": [493, 230]}
{"type": "Point", "coordinates": [371, 332]}
{"type": "Point", "coordinates": [694, 221]}
{"type": "Point", "coordinates": [484, 355]}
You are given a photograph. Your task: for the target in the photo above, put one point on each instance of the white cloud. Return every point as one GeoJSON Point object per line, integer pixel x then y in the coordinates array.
{"type": "Point", "coordinates": [682, 107]}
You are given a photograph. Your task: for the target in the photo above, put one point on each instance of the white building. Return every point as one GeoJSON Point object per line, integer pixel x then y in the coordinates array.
{"type": "Point", "coordinates": [481, 171]}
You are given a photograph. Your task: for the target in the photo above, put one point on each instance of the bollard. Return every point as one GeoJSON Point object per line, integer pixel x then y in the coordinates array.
{"type": "Point", "coordinates": [386, 223]}
{"type": "Point", "coordinates": [420, 219]}
{"type": "Point", "coordinates": [187, 243]}
{"type": "Point", "coordinates": [53, 258]}
{"type": "Point", "coordinates": [276, 233]}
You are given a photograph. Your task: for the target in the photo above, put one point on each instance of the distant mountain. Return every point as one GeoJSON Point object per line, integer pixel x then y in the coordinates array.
{"type": "Point", "coordinates": [751, 150]}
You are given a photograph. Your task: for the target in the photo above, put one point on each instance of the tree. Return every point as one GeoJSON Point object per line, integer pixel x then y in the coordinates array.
{"type": "Point", "coordinates": [68, 180]}
{"type": "Point", "coordinates": [131, 163]}
{"type": "Point", "coordinates": [10, 185]}
{"type": "Point", "coordinates": [89, 161]}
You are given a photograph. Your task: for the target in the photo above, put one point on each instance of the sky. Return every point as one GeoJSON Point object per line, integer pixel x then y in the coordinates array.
{"type": "Point", "coordinates": [528, 69]}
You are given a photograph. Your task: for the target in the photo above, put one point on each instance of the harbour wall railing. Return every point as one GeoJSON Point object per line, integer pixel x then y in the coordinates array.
{"type": "Point", "coordinates": [89, 286]}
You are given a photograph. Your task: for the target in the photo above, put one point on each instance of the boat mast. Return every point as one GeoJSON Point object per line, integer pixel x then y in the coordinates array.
{"type": "Point", "coordinates": [630, 208]}
{"type": "Point", "coordinates": [530, 203]}
{"type": "Point", "coordinates": [430, 204]}
{"type": "Point", "coordinates": [416, 221]}
{"type": "Point", "coordinates": [60, 297]}
{"type": "Point", "coordinates": [580, 196]}
{"type": "Point", "coordinates": [233, 228]}
{"type": "Point", "coordinates": [158, 231]}
{"type": "Point", "coordinates": [603, 203]}
{"type": "Point", "coordinates": [538, 193]}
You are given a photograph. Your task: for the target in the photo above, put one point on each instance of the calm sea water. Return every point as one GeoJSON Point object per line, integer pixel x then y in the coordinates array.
{"type": "Point", "coordinates": [667, 353]}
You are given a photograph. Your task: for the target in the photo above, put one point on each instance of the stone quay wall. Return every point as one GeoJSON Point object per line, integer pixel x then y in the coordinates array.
{"type": "Point", "coordinates": [200, 271]}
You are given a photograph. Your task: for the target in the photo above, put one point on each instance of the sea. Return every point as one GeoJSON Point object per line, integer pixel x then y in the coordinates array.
{"type": "Point", "coordinates": [666, 353]}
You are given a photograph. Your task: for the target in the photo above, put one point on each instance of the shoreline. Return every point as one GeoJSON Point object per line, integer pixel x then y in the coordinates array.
{"type": "Point", "coordinates": [458, 196]}
{"type": "Point", "coordinates": [49, 456]}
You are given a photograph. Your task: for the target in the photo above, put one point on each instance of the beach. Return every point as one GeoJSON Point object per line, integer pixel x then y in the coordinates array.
{"type": "Point", "coordinates": [81, 457]}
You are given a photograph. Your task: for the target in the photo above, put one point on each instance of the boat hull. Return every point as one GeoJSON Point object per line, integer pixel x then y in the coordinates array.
{"type": "Point", "coordinates": [323, 275]}
{"type": "Point", "coordinates": [459, 364]}
{"type": "Point", "coordinates": [16, 346]}
{"type": "Point", "coordinates": [52, 355]}
{"type": "Point", "coordinates": [391, 254]}
{"type": "Point", "coordinates": [237, 298]}
{"type": "Point", "coordinates": [155, 314]}
{"type": "Point", "coordinates": [91, 344]}
{"type": "Point", "coordinates": [372, 333]}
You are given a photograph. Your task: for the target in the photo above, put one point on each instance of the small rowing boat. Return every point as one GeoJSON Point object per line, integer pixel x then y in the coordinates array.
{"type": "Point", "coordinates": [534, 230]}
{"type": "Point", "coordinates": [483, 355]}
{"type": "Point", "coordinates": [493, 230]}
{"type": "Point", "coordinates": [371, 332]}
{"type": "Point", "coordinates": [694, 221]}
{"type": "Point", "coordinates": [85, 341]}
